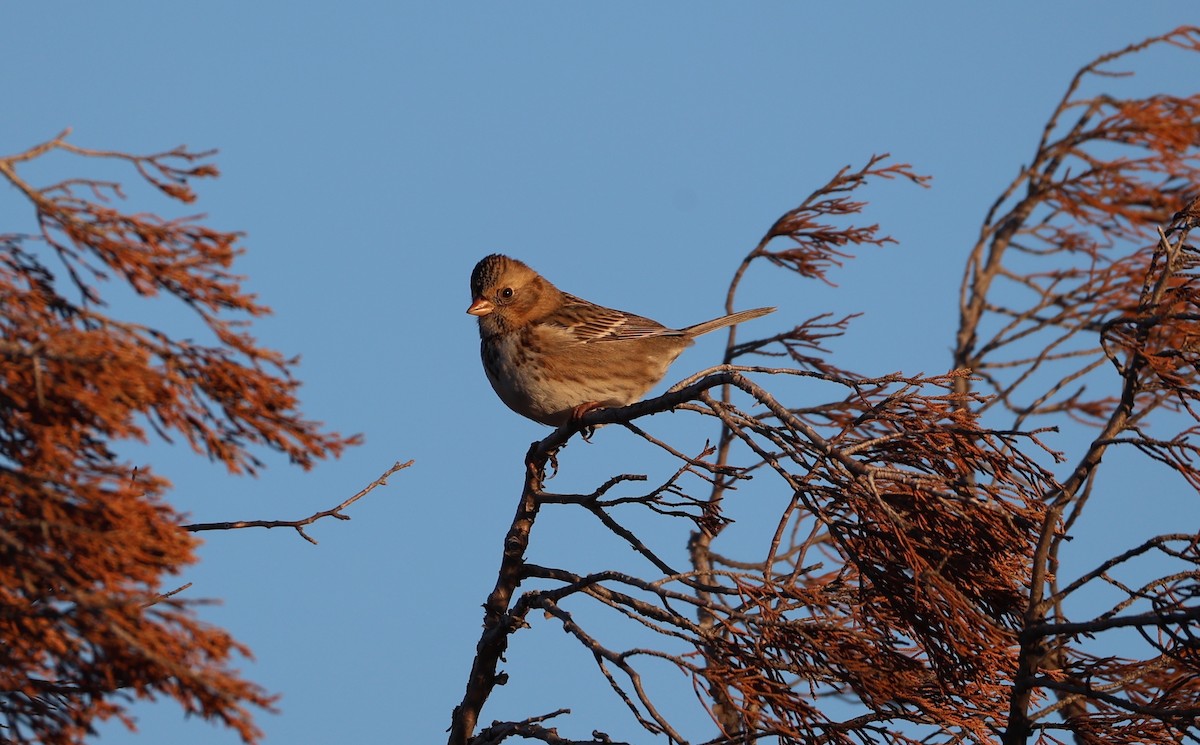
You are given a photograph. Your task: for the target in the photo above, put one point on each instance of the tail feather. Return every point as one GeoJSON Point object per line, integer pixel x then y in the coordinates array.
{"type": "Point", "coordinates": [723, 321]}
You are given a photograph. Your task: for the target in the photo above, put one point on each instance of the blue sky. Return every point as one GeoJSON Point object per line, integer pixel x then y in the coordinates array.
{"type": "Point", "coordinates": [631, 152]}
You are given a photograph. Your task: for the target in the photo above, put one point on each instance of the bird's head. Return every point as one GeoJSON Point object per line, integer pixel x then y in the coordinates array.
{"type": "Point", "coordinates": [506, 294]}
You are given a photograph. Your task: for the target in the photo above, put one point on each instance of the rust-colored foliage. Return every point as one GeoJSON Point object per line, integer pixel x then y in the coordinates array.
{"type": "Point", "coordinates": [1069, 241]}
{"type": "Point", "coordinates": [86, 542]}
{"type": "Point", "coordinates": [912, 590]}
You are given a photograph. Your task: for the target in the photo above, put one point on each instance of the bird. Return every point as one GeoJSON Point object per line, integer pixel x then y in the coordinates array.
{"type": "Point", "coordinates": [552, 357]}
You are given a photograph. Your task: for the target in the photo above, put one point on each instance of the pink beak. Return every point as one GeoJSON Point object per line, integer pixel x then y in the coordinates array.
{"type": "Point", "coordinates": [481, 307]}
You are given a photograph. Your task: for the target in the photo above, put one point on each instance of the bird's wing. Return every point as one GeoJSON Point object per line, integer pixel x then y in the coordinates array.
{"type": "Point", "coordinates": [589, 322]}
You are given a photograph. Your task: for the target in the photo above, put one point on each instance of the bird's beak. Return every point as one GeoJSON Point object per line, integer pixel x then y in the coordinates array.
{"type": "Point", "coordinates": [481, 307]}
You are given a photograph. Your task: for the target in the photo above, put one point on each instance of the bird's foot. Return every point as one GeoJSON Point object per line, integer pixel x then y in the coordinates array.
{"type": "Point", "coordinates": [577, 414]}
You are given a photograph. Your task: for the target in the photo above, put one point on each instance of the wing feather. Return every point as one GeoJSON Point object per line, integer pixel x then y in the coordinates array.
{"type": "Point", "coordinates": [589, 322]}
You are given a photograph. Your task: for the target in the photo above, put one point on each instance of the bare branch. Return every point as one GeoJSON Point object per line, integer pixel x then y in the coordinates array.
{"type": "Point", "coordinates": [299, 525]}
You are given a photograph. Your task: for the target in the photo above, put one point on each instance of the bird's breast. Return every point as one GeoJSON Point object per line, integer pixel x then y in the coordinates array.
{"type": "Point", "coordinates": [544, 372]}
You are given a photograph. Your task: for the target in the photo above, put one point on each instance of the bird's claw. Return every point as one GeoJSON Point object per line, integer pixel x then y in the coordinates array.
{"type": "Point", "coordinates": [577, 414]}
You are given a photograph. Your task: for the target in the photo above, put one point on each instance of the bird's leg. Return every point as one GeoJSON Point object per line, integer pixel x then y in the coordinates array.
{"type": "Point", "coordinates": [577, 414]}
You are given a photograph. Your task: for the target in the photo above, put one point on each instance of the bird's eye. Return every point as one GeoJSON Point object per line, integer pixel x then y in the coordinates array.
{"type": "Point", "coordinates": [506, 293]}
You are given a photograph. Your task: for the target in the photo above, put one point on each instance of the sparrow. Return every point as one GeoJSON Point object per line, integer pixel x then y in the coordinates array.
{"type": "Point", "coordinates": [552, 357]}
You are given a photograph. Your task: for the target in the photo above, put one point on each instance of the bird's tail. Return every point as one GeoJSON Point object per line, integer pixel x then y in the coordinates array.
{"type": "Point", "coordinates": [723, 321]}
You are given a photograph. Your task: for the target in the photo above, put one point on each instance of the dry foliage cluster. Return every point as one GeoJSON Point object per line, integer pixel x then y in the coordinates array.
{"type": "Point", "coordinates": [87, 545]}
{"type": "Point", "coordinates": [912, 592]}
